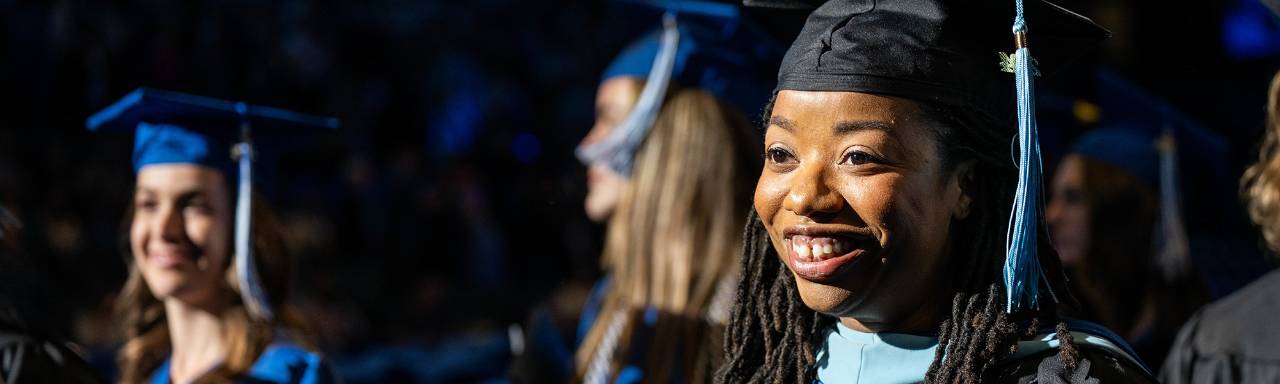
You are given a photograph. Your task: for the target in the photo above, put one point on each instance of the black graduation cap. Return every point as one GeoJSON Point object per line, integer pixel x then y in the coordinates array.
{"type": "Point", "coordinates": [178, 128]}
{"type": "Point", "coordinates": [933, 50]}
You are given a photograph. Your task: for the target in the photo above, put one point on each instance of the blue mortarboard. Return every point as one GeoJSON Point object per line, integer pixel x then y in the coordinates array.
{"type": "Point", "coordinates": [1131, 124]}
{"type": "Point", "coordinates": [172, 127]}
{"type": "Point", "coordinates": [719, 50]}
{"type": "Point", "coordinates": [705, 45]}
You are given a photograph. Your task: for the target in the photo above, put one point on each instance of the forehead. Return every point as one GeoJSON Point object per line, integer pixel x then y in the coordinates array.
{"type": "Point", "coordinates": [178, 178]}
{"type": "Point", "coordinates": [619, 91]}
{"type": "Point", "coordinates": [819, 106]}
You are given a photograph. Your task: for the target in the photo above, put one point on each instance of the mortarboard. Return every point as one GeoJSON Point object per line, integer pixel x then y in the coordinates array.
{"type": "Point", "coordinates": [171, 127]}
{"type": "Point", "coordinates": [706, 45]}
{"type": "Point", "coordinates": [949, 52]}
{"type": "Point", "coordinates": [935, 51]}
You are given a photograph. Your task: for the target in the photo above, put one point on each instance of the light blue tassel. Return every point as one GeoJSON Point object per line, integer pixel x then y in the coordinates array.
{"type": "Point", "coordinates": [252, 293]}
{"type": "Point", "coordinates": [1021, 264]}
{"type": "Point", "coordinates": [619, 148]}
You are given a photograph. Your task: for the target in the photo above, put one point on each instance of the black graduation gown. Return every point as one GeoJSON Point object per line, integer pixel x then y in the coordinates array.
{"type": "Point", "coordinates": [1233, 340]}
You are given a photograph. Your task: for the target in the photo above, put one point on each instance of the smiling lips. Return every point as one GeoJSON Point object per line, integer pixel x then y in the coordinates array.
{"type": "Point", "coordinates": [822, 259]}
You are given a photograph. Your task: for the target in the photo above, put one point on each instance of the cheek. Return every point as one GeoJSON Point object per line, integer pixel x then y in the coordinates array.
{"type": "Point", "coordinates": [907, 212]}
{"type": "Point", "coordinates": [212, 234]}
{"type": "Point", "coordinates": [1079, 216]}
{"type": "Point", "coordinates": [876, 200]}
{"type": "Point", "coordinates": [771, 189]}
{"type": "Point", "coordinates": [138, 239]}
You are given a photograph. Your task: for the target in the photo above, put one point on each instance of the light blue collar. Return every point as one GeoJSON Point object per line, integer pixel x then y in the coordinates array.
{"type": "Point", "coordinates": [849, 356]}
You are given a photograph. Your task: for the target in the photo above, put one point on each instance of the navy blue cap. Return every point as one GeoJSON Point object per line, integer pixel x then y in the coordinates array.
{"type": "Point", "coordinates": [720, 51]}
{"type": "Point", "coordinates": [1132, 121]}
{"type": "Point", "coordinates": [710, 46]}
{"type": "Point", "coordinates": [173, 127]}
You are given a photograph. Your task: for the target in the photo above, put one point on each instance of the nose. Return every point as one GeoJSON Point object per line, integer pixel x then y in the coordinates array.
{"type": "Point", "coordinates": [168, 224]}
{"type": "Point", "coordinates": [810, 195]}
{"type": "Point", "coordinates": [597, 133]}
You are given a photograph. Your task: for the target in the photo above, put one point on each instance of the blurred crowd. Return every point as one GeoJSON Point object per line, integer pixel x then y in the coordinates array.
{"type": "Point", "coordinates": [449, 204]}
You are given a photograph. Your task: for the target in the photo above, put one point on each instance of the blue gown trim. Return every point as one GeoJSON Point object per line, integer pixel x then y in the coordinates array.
{"type": "Point", "coordinates": [280, 363]}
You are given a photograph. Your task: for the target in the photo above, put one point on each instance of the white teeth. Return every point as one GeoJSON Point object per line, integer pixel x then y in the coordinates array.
{"type": "Point", "coordinates": [818, 249]}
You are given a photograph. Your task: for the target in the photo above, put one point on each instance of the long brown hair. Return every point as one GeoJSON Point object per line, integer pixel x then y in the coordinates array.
{"type": "Point", "coordinates": [1261, 182]}
{"type": "Point", "coordinates": [143, 316]}
{"type": "Point", "coordinates": [673, 240]}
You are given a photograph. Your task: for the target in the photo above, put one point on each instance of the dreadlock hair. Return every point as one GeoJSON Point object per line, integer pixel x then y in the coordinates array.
{"type": "Point", "coordinates": [773, 337]}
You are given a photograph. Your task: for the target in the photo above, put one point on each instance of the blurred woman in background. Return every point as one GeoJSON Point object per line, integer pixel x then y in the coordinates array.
{"type": "Point", "coordinates": [1106, 219]}
{"type": "Point", "coordinates": [671, 160]}
{"type": "Point", "coordinates": [1143, 219]}
{"type": "Point", "coordinates": [185, 314]}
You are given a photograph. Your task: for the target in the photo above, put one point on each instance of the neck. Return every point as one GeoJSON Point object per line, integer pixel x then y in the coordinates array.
{"type": "Point", "coordinates": [916, 325]}
{"type": "Point", "coordinates": [923, 320]}
{"type": "Point", "coordinates": [197, 337]}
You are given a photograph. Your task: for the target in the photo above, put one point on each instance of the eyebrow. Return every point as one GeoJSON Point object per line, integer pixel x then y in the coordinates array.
{"type": "Point", "coordinates": [181, 195]}
{"type": "Point", "coordinates": [842, 127]}
{"type": "Point", "coordinates": [846, 127]}
{"type": "Point", "coordinates": [782, 122]}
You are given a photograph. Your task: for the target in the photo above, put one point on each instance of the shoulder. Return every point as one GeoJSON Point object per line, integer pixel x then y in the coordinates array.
{"type": "Point", "coordinates": [26, 359]}
{"type": "Point", "coordinates": [1231, 338]}
{"type": "Point", "coordinates": [1092, 365]}
{"type": "Point", "coordinates": [1242, 323]}
{"type": "Point", "coordinates": [285, 362]}
{"type": "Point", "coordinates": [1101, 357]}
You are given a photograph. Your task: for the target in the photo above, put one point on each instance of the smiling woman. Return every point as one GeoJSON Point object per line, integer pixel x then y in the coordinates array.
{"type": "Point", "coordinates": [882, 211]}
{"type": "Point", "coordinates": [860, 171]}
{"type": "Point", "coordinates": [180, 283]}
{"type": "Point", "coordinates": [204, 300]}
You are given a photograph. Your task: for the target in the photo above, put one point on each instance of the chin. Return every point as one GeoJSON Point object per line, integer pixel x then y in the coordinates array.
{"type": "Point", "coordinates": [165, 284]}
{"type": "Point", "coordinates": [164, 288]}
{"type": "Point", "coordinates": [598, 210]}
{"type": "Point", "coordinates": [825, 299]}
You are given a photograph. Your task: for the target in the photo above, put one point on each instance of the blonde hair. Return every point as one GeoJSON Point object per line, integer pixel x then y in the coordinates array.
{"type": "Point", "coordinates": [1261, 182]}
{"type": "Point", "coordinates": [146, 331]}
{"type": "Point", "coordinates": [673, 240]}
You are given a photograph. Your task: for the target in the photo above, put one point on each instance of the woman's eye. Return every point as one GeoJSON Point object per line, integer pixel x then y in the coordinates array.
{"type": "Point", "coordinates": [145, 205]}
{"type": "Point", "coordinates": [857, 158]}
{"type": "Point", "coordinates": [198, 205]}
{"type": "Point", "coordinates": [778, 155]}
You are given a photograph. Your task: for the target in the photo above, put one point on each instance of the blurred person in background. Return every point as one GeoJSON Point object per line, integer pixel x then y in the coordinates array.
{"type": "Point", "coordinates": [1140, 265]}
{"type": "Point", "coordinates": [670, 162]}
{"type": "Point", "coordinates": [1234, 339]}
{"type": "Point", "coordinates": [30, 352]}
{"type": "Point", "coordinates": [196, 306]}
